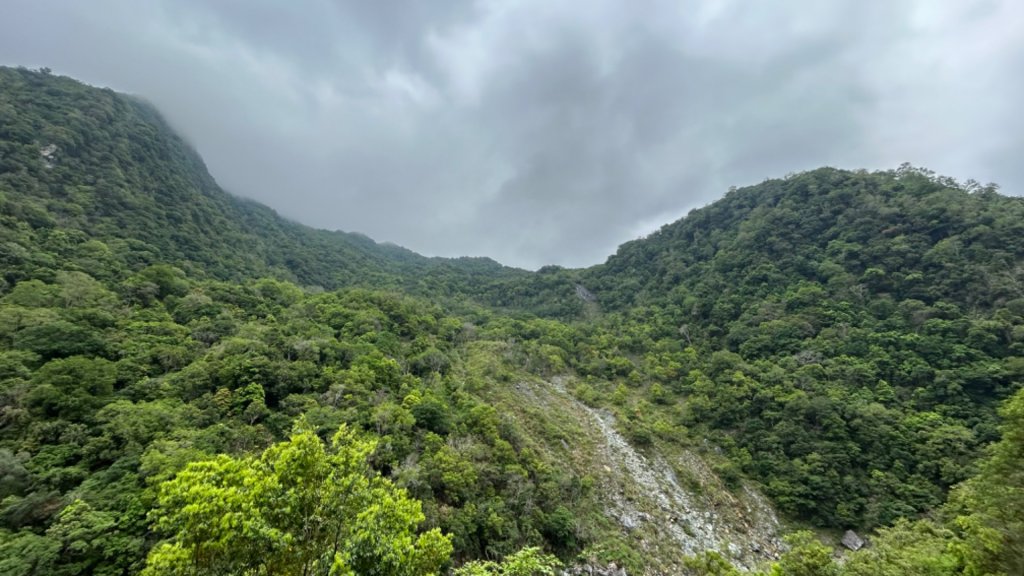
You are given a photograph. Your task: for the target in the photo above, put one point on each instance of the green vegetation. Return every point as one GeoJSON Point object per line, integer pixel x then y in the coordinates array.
{"type": "Point", "coordinates": [979, 532]}
{"type": "Point", "coordinates": [96, 181]}
{"type": "Point", "coordinates": [845, 337]}
{"type": "Point", "coordinates": [294, 510]}
{"type": "Point", "coordinates": [526, 562]}
{"type": "Point", "coordinates": [226, 369]}
{"type": "Point", "coordinates": [191, 384]}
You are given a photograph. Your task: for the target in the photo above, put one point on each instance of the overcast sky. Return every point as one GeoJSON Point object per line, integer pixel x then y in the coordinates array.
{"type": "Point", "coordinates": [545, 132]}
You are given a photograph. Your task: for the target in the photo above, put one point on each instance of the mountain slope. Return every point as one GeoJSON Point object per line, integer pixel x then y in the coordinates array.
{"type": "Point", "coordinates": [137, 335]}
{"type": "Point", "coordinates": [923, 237]}
{"type": "Point", "coordinates": [845, 335]}
{"type": "Point", "coordinates": [837, 340]}
{"type": "Point", "coordinates": [81, 165]}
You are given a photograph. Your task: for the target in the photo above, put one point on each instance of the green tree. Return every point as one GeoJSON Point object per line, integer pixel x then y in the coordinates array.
{"type": "Point", "coordinates": [709, 563]}
{"type": "Point", "coordinates": [992, 520]}
{"type": "Point", "coordinates": [530, 561]}
{"type": "Point", "coordinates": [72, 388]}
{"type": "Point", "coordinates": [90, 542]}
{"type": "Point", "coordinates": [906, 549]}
{"type": "Point", "coordinates": [26, 553]}
{"type": "Point", "coordinates": [807, 556]}
{"type": "Point", "coordinates": [297, 509]}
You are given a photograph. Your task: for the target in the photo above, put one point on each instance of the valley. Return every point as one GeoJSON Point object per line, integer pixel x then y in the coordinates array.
{"type": "Point", "coordinates": [828, 351]}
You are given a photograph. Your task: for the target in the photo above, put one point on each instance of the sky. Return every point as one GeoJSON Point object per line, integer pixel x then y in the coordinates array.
{"type": "Point", "coordinates": [542, 131]}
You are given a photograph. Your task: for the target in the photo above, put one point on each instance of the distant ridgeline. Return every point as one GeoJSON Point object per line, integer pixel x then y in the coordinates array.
{"type": "Point", "coordinates": [80, 165]}
{"type": "Point", "coordinates": [176, 362]}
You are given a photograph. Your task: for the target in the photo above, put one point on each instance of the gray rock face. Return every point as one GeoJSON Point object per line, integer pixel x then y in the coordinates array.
{"type": "Point", "coordinates": [584, 294]}
{"type": "Point", "coordinates": [852, 541]}
{"type": "Point", "coordinates": [646, 498]}
{"type": "Point", "coordinates": [590, 570]}
{"type": "Point", "coordinates": [49, 155]}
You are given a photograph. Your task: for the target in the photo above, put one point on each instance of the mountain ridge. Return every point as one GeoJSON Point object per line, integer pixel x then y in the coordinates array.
{"type": "Point", "coordinates": [37, 119]}
{"type": "Point", "coordinates": [838, 340]}
{"type": "Point", "coordinates": [293, 251]}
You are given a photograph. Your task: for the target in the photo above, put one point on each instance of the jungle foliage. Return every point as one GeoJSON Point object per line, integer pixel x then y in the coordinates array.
{"type": "Point", "coordinates": [842, 339]}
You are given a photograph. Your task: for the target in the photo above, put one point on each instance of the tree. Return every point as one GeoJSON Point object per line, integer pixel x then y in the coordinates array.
{"type": "Point", "coordinates": [90, 542]}
{"type": "Point", "coordinates": [298, 509]}
{"type": "Point", "coordinates": [905, 549]}
{"type": "Point", "coordinates": [26, 553]}
{"type": "Point", "coordinates": [993, 502]}
{"type": "Point", "coordinates": [529, 561]}
{"type": "Point", "coordinates": [807, 556]}
{"type": "Point", "coordinates": [72, 388]}
{"type": "Point", "coordinates": [709, 563]}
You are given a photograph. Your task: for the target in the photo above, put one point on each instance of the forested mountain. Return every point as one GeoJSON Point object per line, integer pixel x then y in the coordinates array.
{"type": "Point", "coordinates": [859, 329]}
{"type": "Point", "coordinates": [190, 384]}
{"type": "Point", "coordinates": [82, 166]}
{"type": "Point", "coordinates": [904, 234]}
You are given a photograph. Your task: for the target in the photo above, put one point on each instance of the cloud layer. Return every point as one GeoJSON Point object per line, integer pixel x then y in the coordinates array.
{"type": "Point", "coordinates": [540, 132]}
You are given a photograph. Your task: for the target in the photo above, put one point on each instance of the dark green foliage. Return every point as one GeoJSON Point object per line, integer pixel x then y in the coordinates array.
{"type": "Point", "coordinates": [842, 338]}
{"type": "Point", "coordinates": [98, 433]}
{"type": "Point", "coordinates": [977, 533]}
{"type": "Point", "coordinates": [846, 335]}
{"type": "Point", "coordinates": [990, 506]}
{"type": "Point", "coordinates": [95, 181]}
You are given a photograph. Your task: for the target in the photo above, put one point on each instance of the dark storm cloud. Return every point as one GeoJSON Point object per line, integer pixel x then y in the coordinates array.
{"type": "Point", "coordinates": [543, 132]}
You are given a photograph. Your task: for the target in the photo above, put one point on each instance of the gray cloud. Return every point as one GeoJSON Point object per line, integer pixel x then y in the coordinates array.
{"type": "Point", "coordinates": [540, 132]}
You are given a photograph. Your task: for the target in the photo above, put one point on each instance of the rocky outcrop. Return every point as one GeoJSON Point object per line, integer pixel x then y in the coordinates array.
{"type": "Point", "coordinates": [852, 540]}
{"type": "Point", "coordinates": [591, 570]}
{"type": "Point", "coordinates": [646, 498]}
{"type": "Point", "coordinates": [49, 155]}
{"type": "Point", "coordinates": [584, 294]}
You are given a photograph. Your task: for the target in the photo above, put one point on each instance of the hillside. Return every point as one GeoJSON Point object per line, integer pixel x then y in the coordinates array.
{"type": "Point", "coordinates": [147, 320]}
{"type": "Point", "coordinates": [844, 336]}
{"type": "Point", "coordinates": [854, 328]}
{"type": "Point", "coordinates": [828, 350]}
{"type": "Point", "coordinates": [88, 173]}
{"type": "Point", "coordinates": [899, 234]}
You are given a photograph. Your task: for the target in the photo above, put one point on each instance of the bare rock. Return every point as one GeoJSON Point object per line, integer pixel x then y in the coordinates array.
{"type": "Point", "coordinates": [584, 294]}
{"type": "Point", "coordinates": [852, 541]}
{"type": "Point", "coordinates": [612, 569]}
{"type": "Point", "coordinates": [49, 155]}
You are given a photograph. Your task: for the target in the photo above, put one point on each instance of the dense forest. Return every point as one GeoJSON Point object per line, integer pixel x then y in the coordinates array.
{"type": "Point", "coordinates": [191, 384]}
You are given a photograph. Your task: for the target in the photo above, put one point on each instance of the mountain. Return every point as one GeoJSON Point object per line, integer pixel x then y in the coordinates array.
{"type": "Point", "coordinates": [827, 350]}
{"type": "Point", "coordinates": [149, 319]}
{"type": "Point", "coordinates": [857, 329]}
{"type": "Point", "coordinates": [922, 237]}
{"type": "Point", "coordinates": [80, 165]}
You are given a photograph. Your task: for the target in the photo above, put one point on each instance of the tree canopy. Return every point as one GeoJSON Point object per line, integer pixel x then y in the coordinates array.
{"type": "Point", "coordinates": [297, 509]}
{"type": "Point", "coordinates": [191, 384]}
